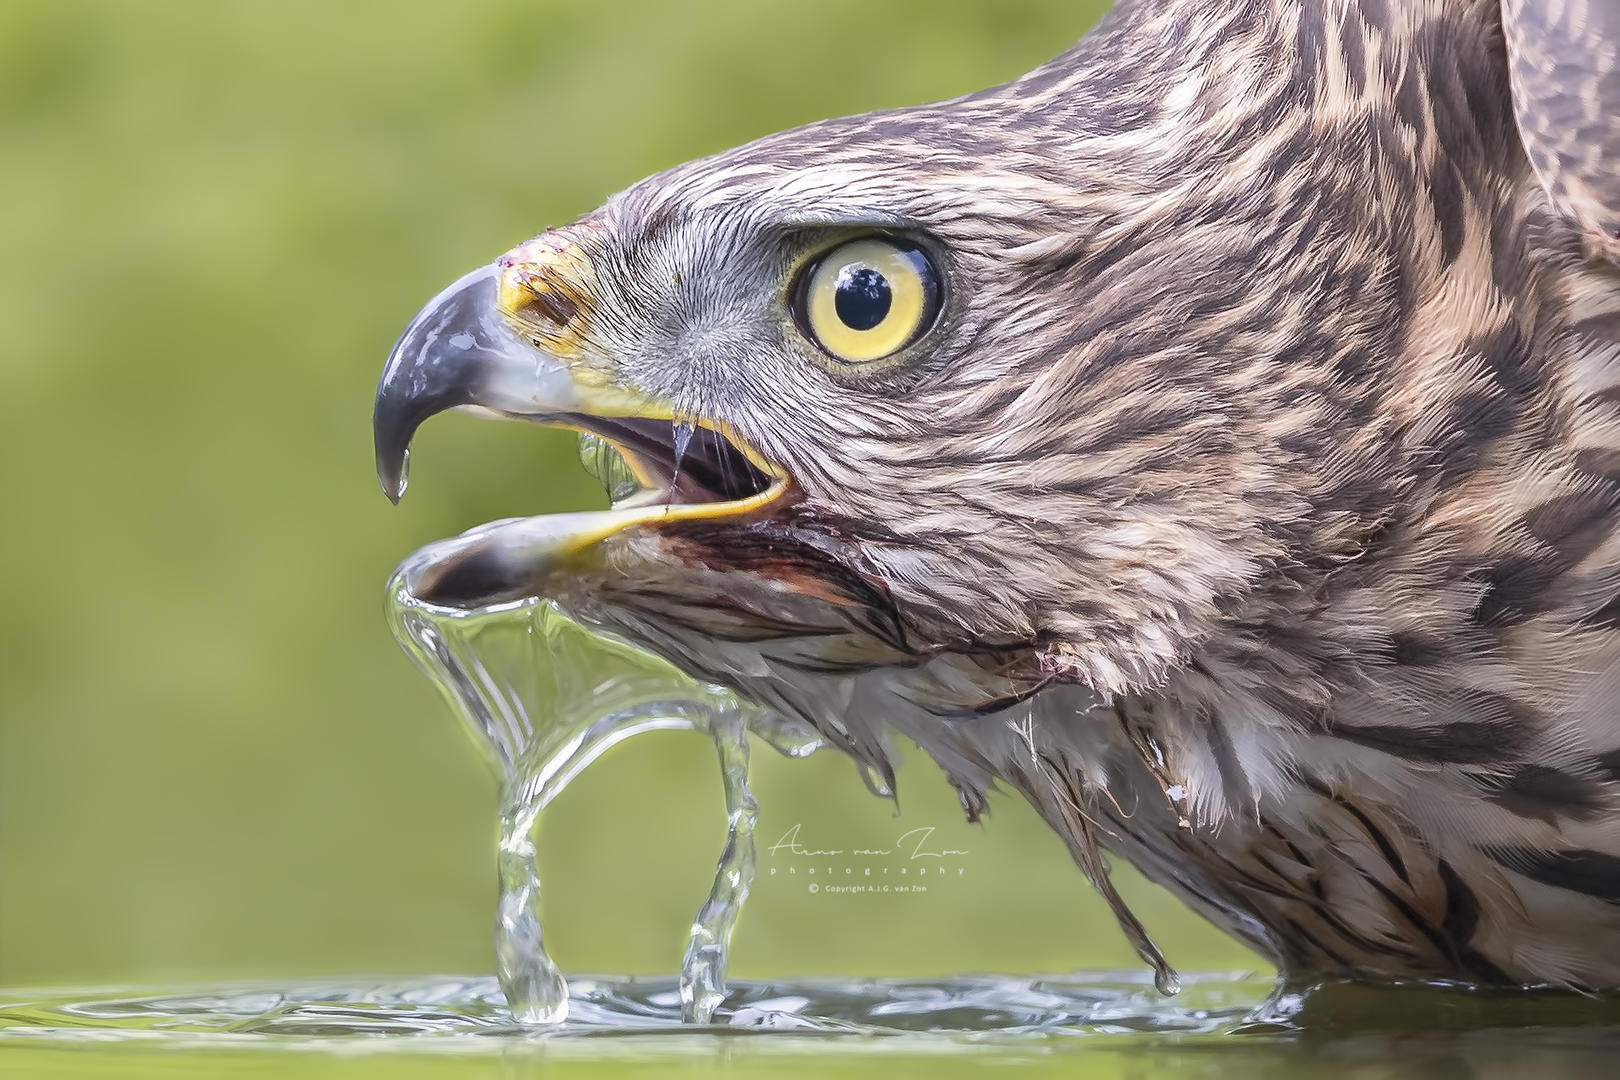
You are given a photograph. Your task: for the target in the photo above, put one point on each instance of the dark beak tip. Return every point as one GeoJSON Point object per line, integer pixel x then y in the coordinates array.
{"type": "Point", "coordinates": [392, 448]}
{"type": "Point", "coordinates": [431, 369]}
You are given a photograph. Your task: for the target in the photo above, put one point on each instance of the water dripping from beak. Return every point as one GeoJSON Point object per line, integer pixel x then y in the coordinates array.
{"type": "Point", "coordinates": [544, 697]}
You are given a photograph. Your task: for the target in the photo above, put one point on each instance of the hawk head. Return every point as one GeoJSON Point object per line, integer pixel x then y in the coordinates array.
{"type": "Point", "coordinates": [994, 379]}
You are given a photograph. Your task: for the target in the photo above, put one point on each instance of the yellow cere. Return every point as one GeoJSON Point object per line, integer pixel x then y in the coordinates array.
{"type": "Point", "coordinates": [867, 299]}
{"type": "Point", "coordinates": [546, 289]}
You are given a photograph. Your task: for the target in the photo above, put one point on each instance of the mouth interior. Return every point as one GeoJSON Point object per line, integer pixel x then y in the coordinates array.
{"type": "Point", "coordinates": [656, 473]}
{"type": "Point", "coordinates": [677, 463]}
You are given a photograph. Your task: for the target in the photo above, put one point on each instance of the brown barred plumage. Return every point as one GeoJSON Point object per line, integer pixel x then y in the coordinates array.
{"type": "Point", "coordinates": [1254, 506]}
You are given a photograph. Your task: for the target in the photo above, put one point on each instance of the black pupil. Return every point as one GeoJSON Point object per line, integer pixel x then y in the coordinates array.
{"type": "Point", "coordinates": [862, 297]}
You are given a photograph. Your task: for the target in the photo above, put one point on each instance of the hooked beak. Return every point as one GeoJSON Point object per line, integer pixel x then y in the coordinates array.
{"type": "Point", "coordinates": [439, 362]}
{"type": "Point", "coordinates": [503, 340]}
{"type": "Point", "coordinates": [462, 350]}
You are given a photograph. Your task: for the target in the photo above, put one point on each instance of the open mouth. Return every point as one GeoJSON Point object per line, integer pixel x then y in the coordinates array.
{"type": "Point", "coordinates": [462, 351]}
{"type": "Point", "coordinates": [669, 463]}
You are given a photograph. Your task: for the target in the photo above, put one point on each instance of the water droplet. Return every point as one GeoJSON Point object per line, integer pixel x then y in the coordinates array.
{"type": "Point", "coordinates": [875, 782]}
{"type": "Point", "coordinates": [604, 462]}
{"type": "Point", "coordinates": [682, 439]}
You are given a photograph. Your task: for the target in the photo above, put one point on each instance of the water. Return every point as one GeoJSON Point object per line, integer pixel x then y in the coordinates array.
{"type": "Point", "coordinates": [682, 439]}
{"type": "Point", "coordinates": [703, 969]}
{"type": "Point", "coordinates": [446, 1009]}
{"type": "Point", "coordinates": [528, 682]}
{"type": "Point", "coordinates": [608, 466]}
{"type": "Point", "coordinates": [1098, 1025]}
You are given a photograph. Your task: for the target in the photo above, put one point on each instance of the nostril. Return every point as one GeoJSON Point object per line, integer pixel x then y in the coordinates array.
{"type": "Point", "coordinates": [542, 302]}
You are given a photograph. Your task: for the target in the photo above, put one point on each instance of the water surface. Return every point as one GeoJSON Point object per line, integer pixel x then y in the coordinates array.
{"type": "Point", "coordinates": [1090, 1025]}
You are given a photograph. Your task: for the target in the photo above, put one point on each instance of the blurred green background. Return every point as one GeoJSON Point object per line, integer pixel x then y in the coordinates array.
{"type": "Point", "coordinates": [214, 762]}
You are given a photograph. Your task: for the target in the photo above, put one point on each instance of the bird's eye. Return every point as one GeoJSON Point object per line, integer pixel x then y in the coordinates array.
{"type": "Point", "coordinates": [867, 299]}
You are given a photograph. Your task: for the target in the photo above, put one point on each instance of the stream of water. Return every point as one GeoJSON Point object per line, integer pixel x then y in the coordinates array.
{"type": "Point", "coordinates": [544, 697]}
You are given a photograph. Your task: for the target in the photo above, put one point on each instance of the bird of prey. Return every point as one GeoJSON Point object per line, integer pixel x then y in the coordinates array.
{"type": "Point", "coordinates": [1212, 435]}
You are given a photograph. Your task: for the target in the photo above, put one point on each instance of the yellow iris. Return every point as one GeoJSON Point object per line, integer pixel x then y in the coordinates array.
{"type": "Point", "coordinates": [869, 298]}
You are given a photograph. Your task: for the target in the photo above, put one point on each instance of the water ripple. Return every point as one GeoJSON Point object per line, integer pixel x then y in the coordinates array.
{"type": "Point", "coordinates": [469, 1011]}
